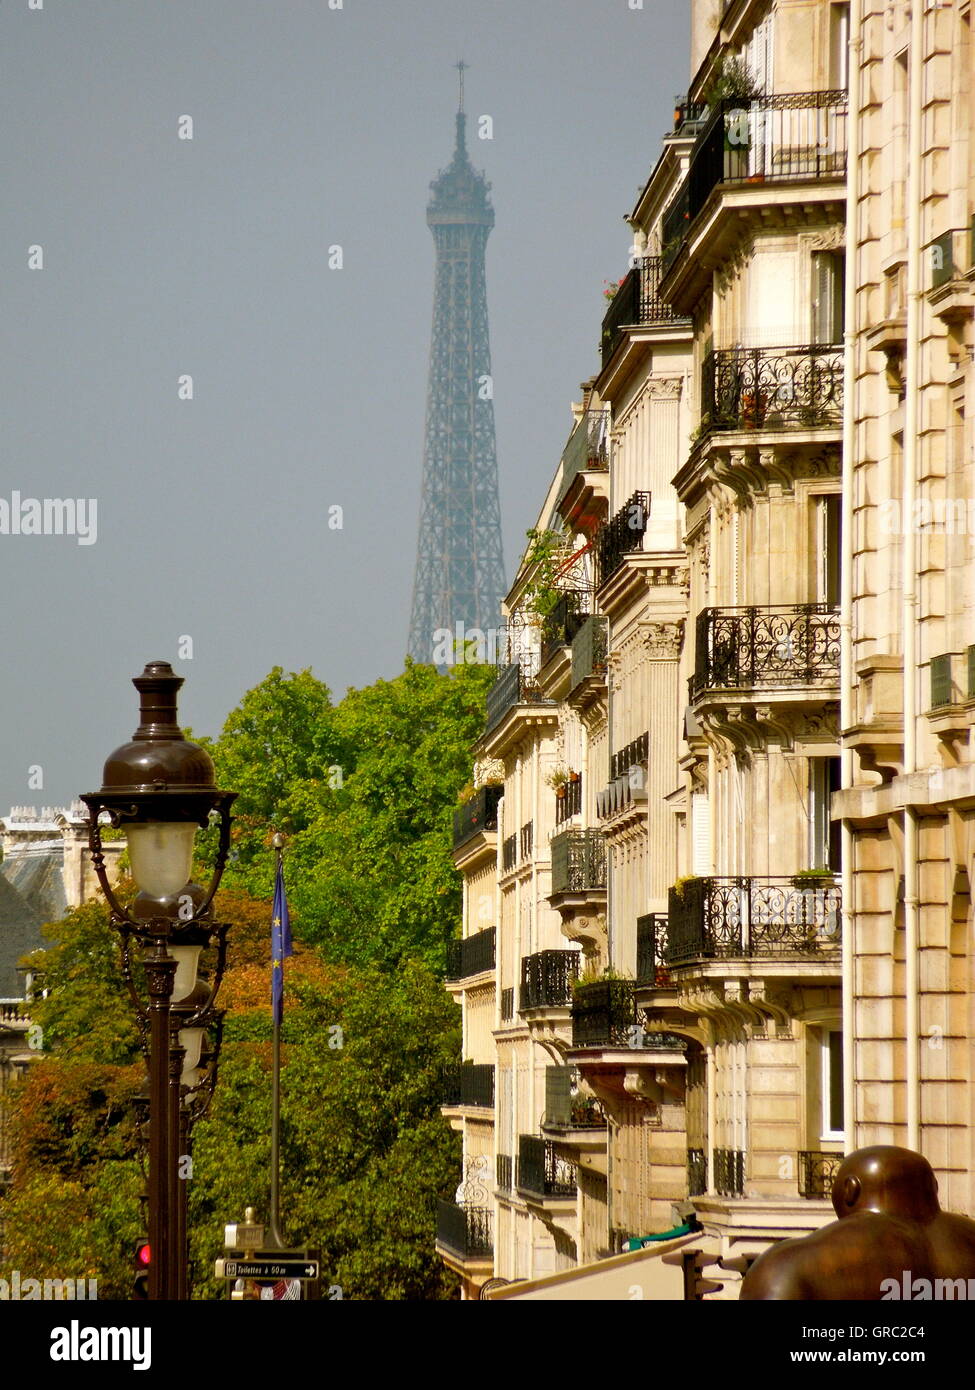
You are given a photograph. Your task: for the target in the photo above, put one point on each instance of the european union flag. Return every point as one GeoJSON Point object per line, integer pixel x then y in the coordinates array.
{"type": "Point", "coordinates": [280, 944]}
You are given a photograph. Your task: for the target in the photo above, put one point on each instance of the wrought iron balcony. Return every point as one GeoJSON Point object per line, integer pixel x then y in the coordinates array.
{"type": "Point", "coordinates": [816, 1173]}
{"type": "Point", "coordinates": [634, 754]}
{"type": "Point", "coordinates": [589, 650]}
{"type": "Point", "coordinates": [561, 625]}
{"type": "Point", "coordinates": [729, 1172]}
{"type": "Point", "coordinates": [542, 1173]}
{"type": "Point", "coordinates": [772, 388]}
{"type": "Point", "coordinates": [636, 302]}
{"type": "Point", "coordinates": [604, 1015]}
{"type": "Point", "coordinates": [738, 918]}
{"type": "Point", "coordinates": [697, 1172]}
{"type": "Point", "coordinates": [469, 1083]}
{"type": "Point", "coordinates": [505, 1172]}
{"type": "Point", "coordinates": [512, 687]}
{"type": "Point", "coordinates": [466, 1231]}
{"type": "Point", "coordinates": [581, 1112]}
{"type": "Point", "coordinates": [569, 804]}
{"type": "Point", "coordinates": [546, 979]}
{"type": "Point", "coordinates": [578, 861]}
{"type": "Point", "coordinates": [588, 448]}
{"type": "Point", "coordinates": [470, 956]}
{"type": "Point", "coordinates": [766, 648]}
{"type": "Point", "coordinates": [621, 535]}
{"type": "Point", "coordinates": [798, 137]}
{"type": "Point", "coordinates": [651, 941]}
{"type": "Point", "coordinates": [477, 815]}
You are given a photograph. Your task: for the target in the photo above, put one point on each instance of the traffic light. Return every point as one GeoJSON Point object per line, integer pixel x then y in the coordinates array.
{"type": "Point", "coordinates": [140, 1286]}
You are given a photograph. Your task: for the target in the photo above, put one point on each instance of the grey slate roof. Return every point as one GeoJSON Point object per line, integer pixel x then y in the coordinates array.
{"type": "Point", "coordinates": [31, 894]}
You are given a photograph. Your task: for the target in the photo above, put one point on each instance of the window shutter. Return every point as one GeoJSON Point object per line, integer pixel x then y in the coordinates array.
{"type": "Point", "coordinates": [558, 1103]}
{"type": "Point", "coordinates": [701, 834]}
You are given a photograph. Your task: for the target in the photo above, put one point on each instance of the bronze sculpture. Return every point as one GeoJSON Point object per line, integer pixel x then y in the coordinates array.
{"type": "Point", "coordinates": [892, 1239]}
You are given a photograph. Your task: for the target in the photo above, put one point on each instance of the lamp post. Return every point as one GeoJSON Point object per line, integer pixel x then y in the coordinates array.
{"type": "Point", "coordinates": [160, 789]}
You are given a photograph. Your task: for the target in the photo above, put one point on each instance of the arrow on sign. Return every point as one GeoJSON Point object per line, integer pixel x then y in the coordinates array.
{"type": "Point", "coordinates": [266, 1269]}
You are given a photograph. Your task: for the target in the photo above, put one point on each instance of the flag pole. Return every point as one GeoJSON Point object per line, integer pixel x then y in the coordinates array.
{"type": "Point", "coordinates": [275, 1223]}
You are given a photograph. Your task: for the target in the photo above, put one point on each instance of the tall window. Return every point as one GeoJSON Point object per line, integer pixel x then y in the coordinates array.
{"type": "Point", "coordinates": [828, 293]}
{"type": "Point", "coordinates": [829, 515]}
{"type": "Point", "coordinates": [824, 833]}
{"type": "Point", "coordinates": [839, 46]}
{"type": "Point", "coordinates": [831, 1085]}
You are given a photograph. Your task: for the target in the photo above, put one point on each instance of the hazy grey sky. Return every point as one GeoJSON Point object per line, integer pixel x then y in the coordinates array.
{"type": "Point", "coordinates": [312, 127]}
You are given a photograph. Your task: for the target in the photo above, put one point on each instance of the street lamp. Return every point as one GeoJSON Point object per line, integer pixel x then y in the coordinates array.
{"type": "Point", "coordinates": [160, 789]}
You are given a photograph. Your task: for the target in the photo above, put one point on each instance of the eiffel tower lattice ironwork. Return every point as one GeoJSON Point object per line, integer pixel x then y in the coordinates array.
{"type": "Point", "coordinates": [459, 579]}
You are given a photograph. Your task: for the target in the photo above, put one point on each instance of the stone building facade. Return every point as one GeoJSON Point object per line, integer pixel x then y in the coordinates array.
{"type": "Point", "coordinates": [760, 958]}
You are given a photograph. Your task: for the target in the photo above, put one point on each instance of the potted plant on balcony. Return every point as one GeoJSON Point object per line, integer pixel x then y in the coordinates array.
{"type": "Point", "coordinates": [753, 406]}
{"type": "Point", "coordinates": [558, 780]}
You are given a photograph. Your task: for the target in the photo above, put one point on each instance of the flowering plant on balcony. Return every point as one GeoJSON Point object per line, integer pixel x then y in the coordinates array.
{"type": "Point", "coordinates": [609, 289]}
{"type": "Point", "coordinates": [558, 777]}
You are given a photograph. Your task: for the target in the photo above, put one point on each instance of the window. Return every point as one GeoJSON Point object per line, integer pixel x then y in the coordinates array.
{"type": "Point", "coordinates": [831, 1086]}
{"type": "Point", "coordinates": [839, 46]}
{"type": "Point", "coordinates": [828, 293]}
{"type": "Point", "coordinates": [824, 833]}
{"type": "Point", "coordinates": [829, 516]}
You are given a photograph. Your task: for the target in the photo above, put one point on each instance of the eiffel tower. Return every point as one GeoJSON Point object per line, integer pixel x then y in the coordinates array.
{"type": "Point", "coordinates": [459, 579]}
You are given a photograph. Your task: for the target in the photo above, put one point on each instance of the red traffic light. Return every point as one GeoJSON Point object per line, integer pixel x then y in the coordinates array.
{"type": "Point", "coordinates": [143, 1254]}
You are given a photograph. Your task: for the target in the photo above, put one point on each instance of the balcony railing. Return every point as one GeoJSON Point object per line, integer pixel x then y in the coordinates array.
{"type": "Point", "coordinates": [952, 255]}
{"type": "Point", "coordinates": [477, 815]}
{"type": "Point", "coordinates": [588, 447]}
{"type": "Point", "coordinates": [799, 137]}
{"type": "Point", "coordinates": [634, 754]}
{"type": "Point", "coordinates": [697, 1172]}
{"type": "Point", "coordinates": [511, 688]}
{"type": "Point", "coordinates": [542, 1173]}
{"type": "Point", "coordinates": [816, 1173]}
{"type": "Point", "coordinates": [636, 302]}
{"type": "Point", "coordinates": [546, 979]}
{"type": "Point", "coordinates": [569, 804]}
{"type": "Point", "coordinates": [466, 1231]}
{"type": "Point", "coordinates": [507, 1004]}
{"type": "Point", "coordinates": [578, 861]}
{"type": "Point", "coordinates": [561, 625]}
{"type": "Point", "coordinates": [737, 918]}
{"type": "Point", "coordinates": [469, 1083]}
{"type": "Point", "coordinates": [764, 648]}
{"type": "Point", "coordinates": [621, 535]}
{"type": "Point", "coordinates": [651, 941]}
{"type": "Point", "coordinates": [729, 1172]}
{"type": "Point", "coordinates": [505, 1172]}
{"type": "Point", "coordinates": [589, 650]}
{"type": "Point", "coordinates": [604, 1015]}
{"type": "Point", "coordinates": [470, 956]}
{"type": "Point", "coordinates": [772, 388]}
{"type": "Point", "coordinates": [585, 1112]}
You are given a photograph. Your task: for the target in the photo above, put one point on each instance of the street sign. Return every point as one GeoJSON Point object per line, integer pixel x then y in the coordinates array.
{"type": "Point", "coordinates": [267, 1268]}
{"type": "Point", "coordinates": [245, 1235]}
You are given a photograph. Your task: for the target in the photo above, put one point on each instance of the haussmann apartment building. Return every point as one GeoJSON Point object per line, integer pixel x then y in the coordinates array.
{"type": "Point", "coordinates": [717, 861]}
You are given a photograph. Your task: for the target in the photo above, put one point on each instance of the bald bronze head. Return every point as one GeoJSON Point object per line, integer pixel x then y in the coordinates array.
{"type": "Point", "coordinates": [889, 1181]}
{"type": "Point", "coordinates": [892, 1234]}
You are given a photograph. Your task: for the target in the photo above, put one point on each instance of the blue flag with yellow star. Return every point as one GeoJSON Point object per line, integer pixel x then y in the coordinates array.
{"type": "Point", "coordinates": [280, 944]}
